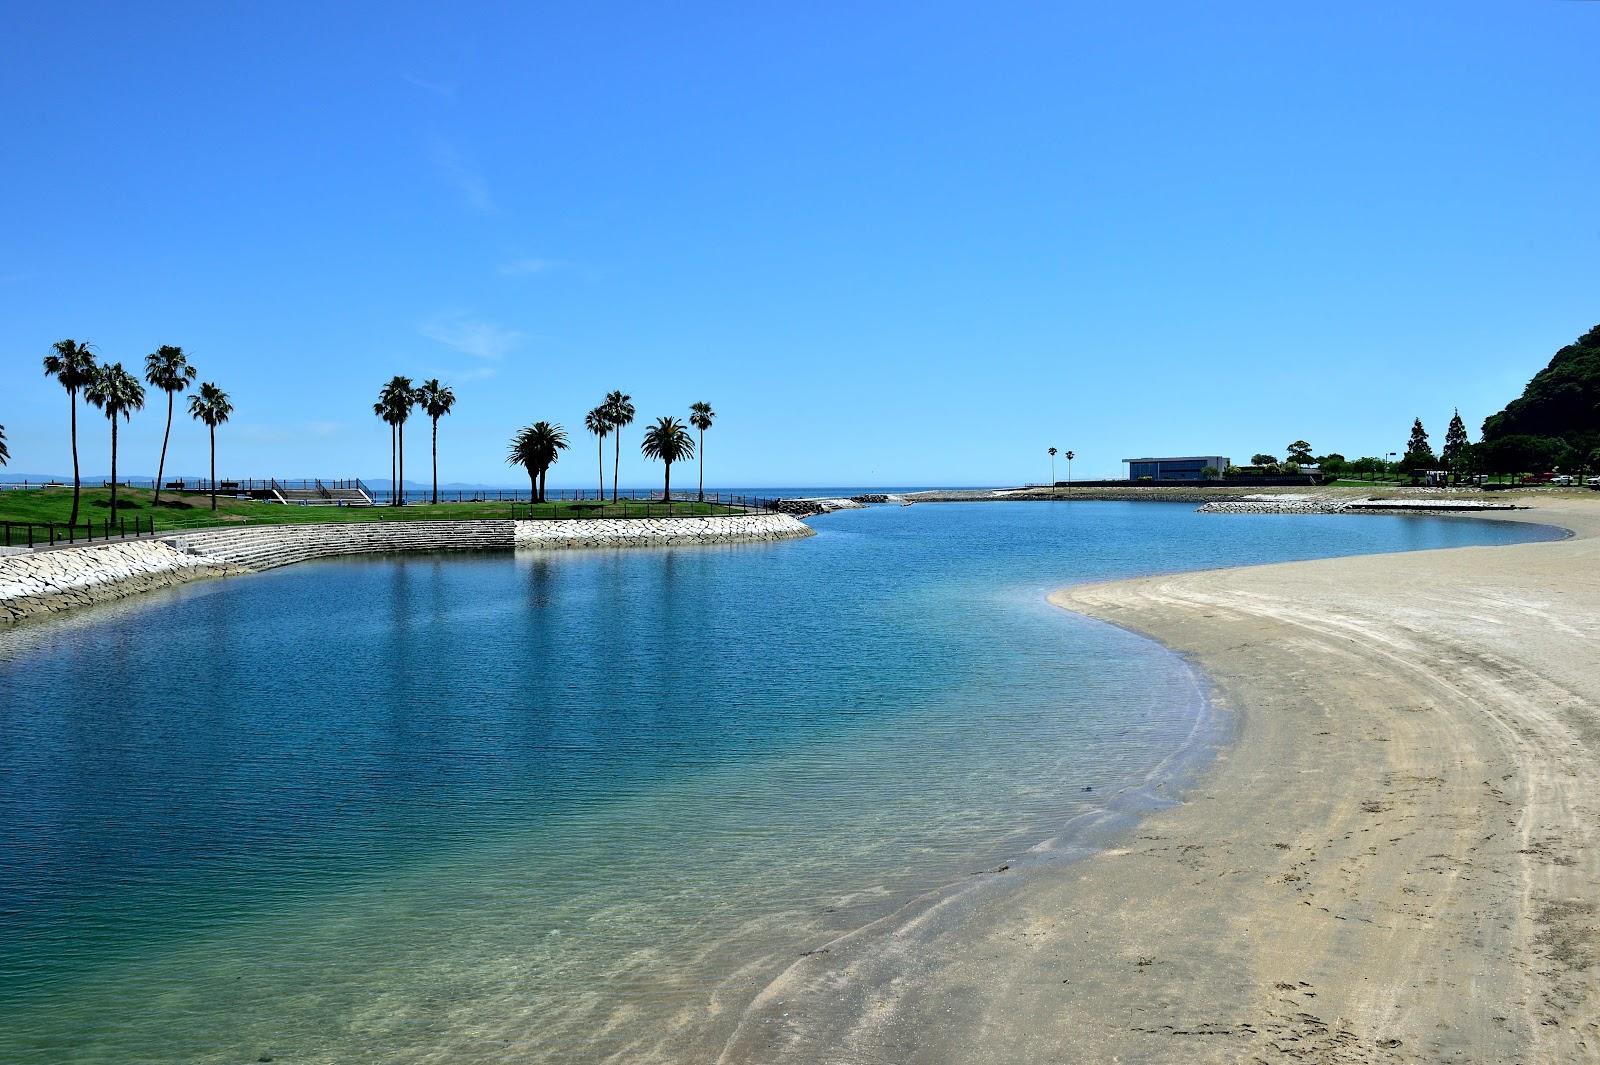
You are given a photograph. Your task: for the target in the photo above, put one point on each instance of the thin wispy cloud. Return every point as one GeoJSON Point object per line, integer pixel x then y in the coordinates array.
{"type": "Point", "coordinates": [471, 336]}
{"type": "Point", "coordinates": [461, 173]}
{"type": "Point", "coordinates": [438, 88]}
{"type": "Point", "coordinates": [524, 267]}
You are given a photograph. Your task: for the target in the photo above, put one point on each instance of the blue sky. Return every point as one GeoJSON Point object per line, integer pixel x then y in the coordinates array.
{"type": "Point", "coordinates": [909, 244]}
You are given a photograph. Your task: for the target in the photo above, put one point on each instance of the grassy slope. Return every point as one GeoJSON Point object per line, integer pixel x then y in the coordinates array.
{"type": "Point", "coordinates": [190, 511]}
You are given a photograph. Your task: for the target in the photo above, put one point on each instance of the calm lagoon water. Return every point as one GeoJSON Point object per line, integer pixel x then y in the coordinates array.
{"type": "Point", "coordinates": [568, 808]}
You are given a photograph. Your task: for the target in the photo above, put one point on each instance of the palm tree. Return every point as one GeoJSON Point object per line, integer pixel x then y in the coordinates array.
{"type": "Point", "coordinates": [72, 364]}
{"type": "Point", "coordinates": [395, 401]}
{"type": "Point", "coordinates": [700, 416]}
{"type": "Point", "coordinates": [168, 369]}
{"type": "Point", "coordinates": [436, 400]}
{"type": "Point", "coordinates": [669, 441]}
{"type": "Point", "coordinates": [212, 406]}
{"type": "Point", "coordinates": [524, 452]}
{"type": "Point", "coordinates": [384, 410]}
{"type": "Point", "coordinates": [549, 441]}
{"type": "Point", "coordinates": [1052, 468]}
{"type": "Point", "coordinates": [597, 423]}
{"type": "Point", "coordinates": [117, 392]}
{"type": "Point", "coordinates": [619, 412]}
{"type": "Point", "coordinates": [5, 455]}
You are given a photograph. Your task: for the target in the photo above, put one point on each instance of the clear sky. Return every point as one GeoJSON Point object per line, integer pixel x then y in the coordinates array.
{"type": "Point", "coordinates": [893, 244]}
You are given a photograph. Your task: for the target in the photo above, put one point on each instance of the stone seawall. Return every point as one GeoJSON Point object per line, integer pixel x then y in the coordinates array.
{"type": "Point", "coordinates": [659, 532]}
{"type": "Point", "coordinates": [46, 582]}
{"type": "Point", "coordinates": [39, 582]}
{"type": "Point", "coordinates": [259, 547]}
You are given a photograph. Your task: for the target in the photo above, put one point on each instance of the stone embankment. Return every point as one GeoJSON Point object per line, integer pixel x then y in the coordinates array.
{"type": "Point", "coordinates": [260, 547]}
{"type": "Point", "coordinates": [660, 532]}
{"type": "Point", "coordinates": [46, 581]}
{"type": "Point", "coordinates": [1276, 505]}
{"type": "Point", "coordinates": [806, 507]}
{"type": "Point", "coordinates": [49, 581]}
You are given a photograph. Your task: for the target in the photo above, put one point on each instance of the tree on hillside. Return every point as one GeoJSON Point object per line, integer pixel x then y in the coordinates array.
{"type": "Point", "coordinates": [212, 406]}
{"type": "Point", "coordinates": [72, 365]}
{"type": "Point", "coordinates": [600, 425]}
{"type": "Point", "coordinates": [1299, 451]}
{"type": "Point", "coordinates": [619, 412]}
{"type": "Point", "coordinates": [1455, 444]}
{"type": "Point", "coordinates": [1561, 402]}
{"type": "Point", "coordinates": [436, 400]}
{"type": "Point", "coordinates": [168, 369]}
{"type": "Point", "coordinates": [670, 442]}
{"type": "Point", "coordinates": [1419, 452]}
{"type": "Point", "coordinates": [118, 393]}
{"type": "Point", "coordinates": [701, 416]}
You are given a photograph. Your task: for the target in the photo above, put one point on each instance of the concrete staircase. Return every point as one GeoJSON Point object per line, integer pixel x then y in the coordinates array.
{"type": "Point", "coordinates": [269, 546]}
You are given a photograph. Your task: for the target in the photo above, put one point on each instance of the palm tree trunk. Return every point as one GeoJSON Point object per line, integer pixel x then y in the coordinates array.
{"type": "Point", "coordinates": [544, 484]}
{"type": "Point", "coordinates": [161, 467]}
{"type": "Point", "coordinates": [666, 491]}
{"type": "Point", "coordinates": [72, 401]}
{"type": "Point", "coordinates": [402, 445]}
{"type": "Point", "coordinates": [702, 465]}
{"type": "Point", "coordinates": [616, 464]}
{"type": "Point", "coordinates": [533, 487]}
{"type": "Point", "coordinates": [213, 429]}
{"type": "Point", "coordinates": [113, 466]}
{"type": "Point", "coordinates": [391, 465]}
{"type": "Point", "coordinates": [600, 448]}
{"type": "Point", "coordinates": [436, 462]}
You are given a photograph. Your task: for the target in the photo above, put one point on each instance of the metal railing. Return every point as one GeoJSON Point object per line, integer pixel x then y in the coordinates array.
{"type": "Point", "coordinates": [50, 533]}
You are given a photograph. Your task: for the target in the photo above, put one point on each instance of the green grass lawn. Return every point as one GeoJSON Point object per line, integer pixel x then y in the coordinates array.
{"type": "Point", "coordinates": [192, 511]}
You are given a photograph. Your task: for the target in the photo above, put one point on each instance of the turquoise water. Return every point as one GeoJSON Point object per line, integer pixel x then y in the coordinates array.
{"type": "Point", "coordinates": [572, 807]}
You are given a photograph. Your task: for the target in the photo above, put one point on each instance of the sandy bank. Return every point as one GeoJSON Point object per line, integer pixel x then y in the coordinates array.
{"type": "Point", "coordinates": [1395, 861]}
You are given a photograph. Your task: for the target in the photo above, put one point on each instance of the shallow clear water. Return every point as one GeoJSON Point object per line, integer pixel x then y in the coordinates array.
{"type": "Point", "coordinates": [455, 808]}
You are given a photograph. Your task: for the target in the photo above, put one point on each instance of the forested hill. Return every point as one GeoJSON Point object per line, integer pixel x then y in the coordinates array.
{"type": "Point", "coordinates": [1562, 402]}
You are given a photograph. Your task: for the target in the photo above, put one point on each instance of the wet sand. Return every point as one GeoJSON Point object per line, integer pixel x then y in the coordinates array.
{"type": "Point", "coordinates": [1395, 861]}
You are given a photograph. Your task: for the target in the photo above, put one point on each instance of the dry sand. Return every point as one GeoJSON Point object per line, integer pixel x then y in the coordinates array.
{"type": "Point", "coordinates": [1395, 861]}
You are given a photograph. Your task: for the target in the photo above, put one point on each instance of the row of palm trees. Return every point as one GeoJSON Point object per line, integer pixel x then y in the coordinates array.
{"type": "Point", "coordinates": [118, 393]}
{"type": "Point", "coordinates": [396, 400]}
{"type": "Point", "coordinates": [537, 447]}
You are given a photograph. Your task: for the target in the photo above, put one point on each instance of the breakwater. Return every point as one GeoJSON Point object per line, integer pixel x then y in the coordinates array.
{"type": "Point", "coordinates": [48, 581]}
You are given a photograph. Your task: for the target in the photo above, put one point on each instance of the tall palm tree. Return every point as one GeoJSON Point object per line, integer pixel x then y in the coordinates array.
{"type": "Point", "coordinates": [118, 393]}
{"type": "Point", "coordinates": [597, 423]}
{"type": "Point", "coordinates": [72, 364]}
{"type": "Point", "coordinates": [549, 441]}
{"type": "Point", "coordinates": [619, 412]}
{"type": "Point", "coordinates": [5, 455]}
{"type": "Point", "coordinates": [395, 401]}
{"type": "Point", "coordinates": [669, 441]}
{"type": "Point", "coordinates": [212, 406]}
{"type": "Point", "coordinates": [1052, 468]}
{"type": "Point", "coordinates": [383, 409]}
{"type": "Point", "coordinates": [524, 452]}
{"type": "Point", "coordinates": [168, 369]}
{"type": "Point", "coordinates": [700, 416]}
{"type": "Point", "coordinates": [436, 400]}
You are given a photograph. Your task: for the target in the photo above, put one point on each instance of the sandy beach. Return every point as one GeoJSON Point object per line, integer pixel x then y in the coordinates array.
{"type": "Point", "coordinates": [1394, 861]}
